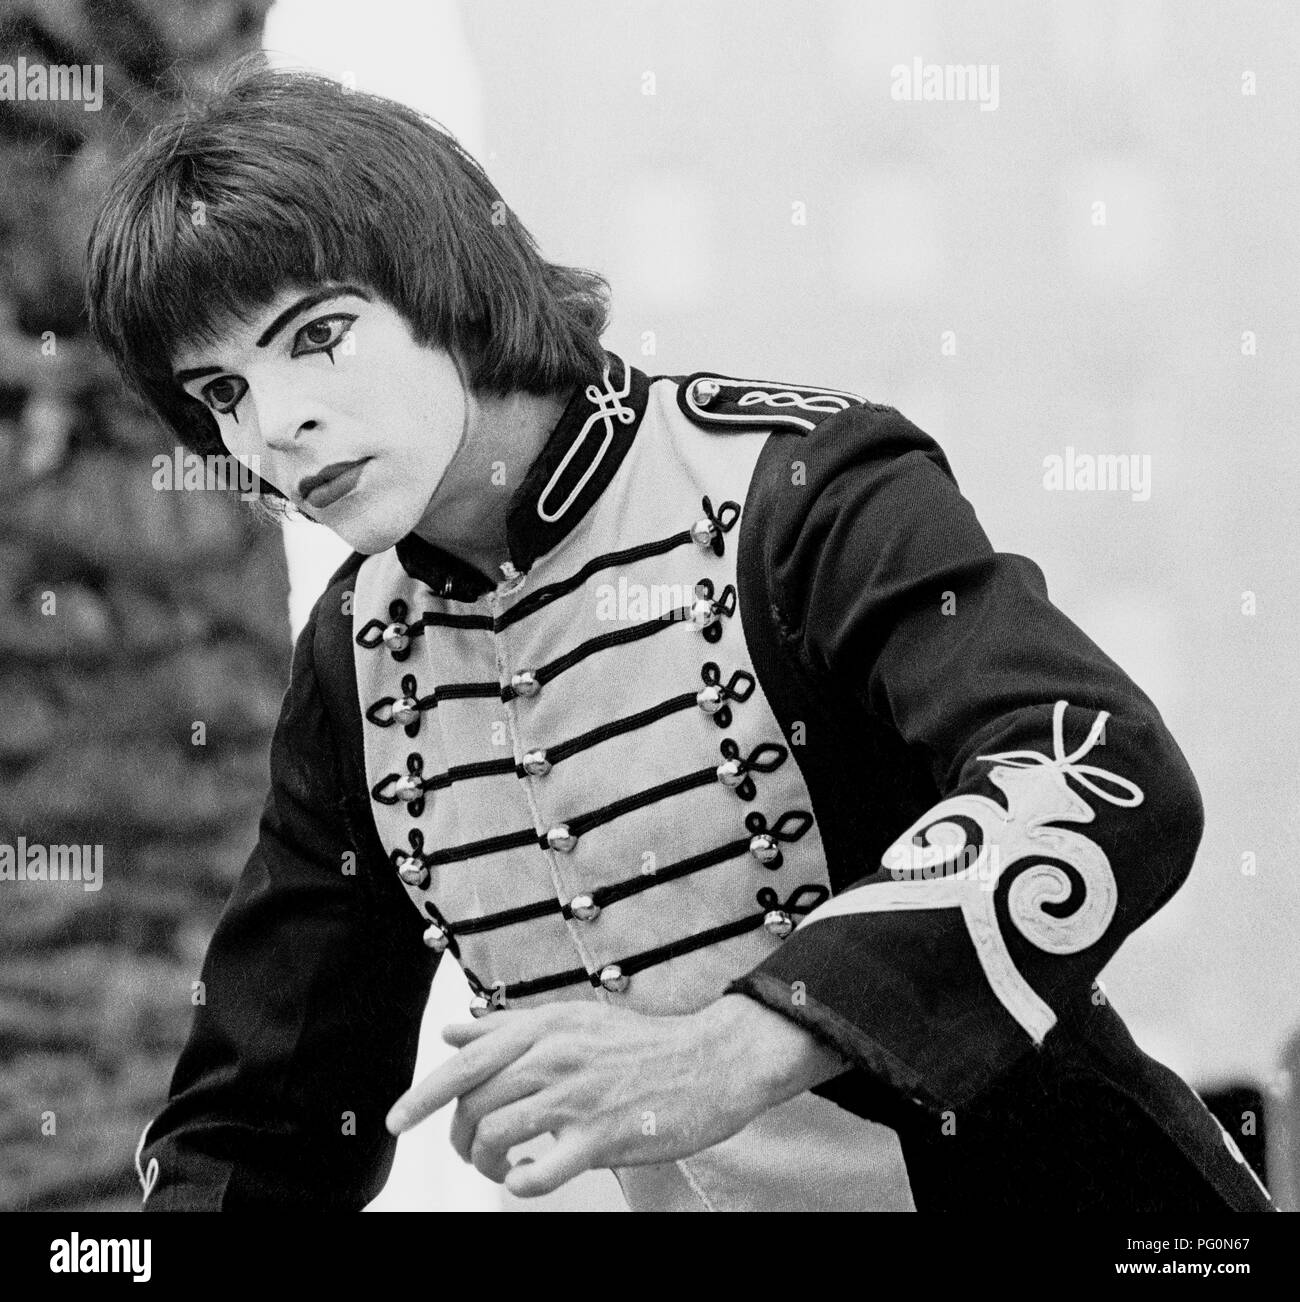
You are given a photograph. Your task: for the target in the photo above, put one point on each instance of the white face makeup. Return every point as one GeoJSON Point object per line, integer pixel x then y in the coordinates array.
{"type": "Point", "coordinates": [329, 398]}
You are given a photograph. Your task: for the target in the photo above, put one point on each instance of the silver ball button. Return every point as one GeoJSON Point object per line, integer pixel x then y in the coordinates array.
{"type": "Point", "coordinates": [584, 908]}
{"type": "Point", "coordinates": [525, 683]}
{"type": "Point", "coordinates": [397, 637]}
{"type": "Point", "coordinates": [561, 839]}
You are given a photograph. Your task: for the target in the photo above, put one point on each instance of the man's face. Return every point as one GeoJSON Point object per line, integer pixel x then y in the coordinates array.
{"type": "Point", "coordinates": [329, 398]}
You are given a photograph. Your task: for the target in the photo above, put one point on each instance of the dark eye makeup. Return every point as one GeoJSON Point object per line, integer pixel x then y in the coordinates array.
{"type": "Point", "coordinates": [323, 334]}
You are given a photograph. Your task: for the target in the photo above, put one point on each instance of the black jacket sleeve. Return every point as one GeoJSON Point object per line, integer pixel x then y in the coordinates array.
{"type": "Point", "coordinates": [1064, 813]}
{"type": "Point", "coordinates": [313, 990]}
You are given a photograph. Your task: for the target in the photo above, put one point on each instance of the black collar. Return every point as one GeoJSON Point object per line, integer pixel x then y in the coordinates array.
{"type": "Point", "coordinates": [580, 457]}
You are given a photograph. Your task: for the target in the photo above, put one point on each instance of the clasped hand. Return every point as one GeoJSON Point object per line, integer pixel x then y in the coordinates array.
{"type": "Point", "coordinates": [614, 1087]}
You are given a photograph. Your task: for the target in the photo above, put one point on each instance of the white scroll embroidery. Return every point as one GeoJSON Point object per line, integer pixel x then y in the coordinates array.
{"type": "Point", "coordinates": [608, 403]}
{"type": "Point", "coordinates": [923, 860]}
{"type": "Point", "coordinates": [774, 394]}
{"type": "Point", "coordinates": [823, 402]}
{"type": "Point", "coordinates": [149, 1176]}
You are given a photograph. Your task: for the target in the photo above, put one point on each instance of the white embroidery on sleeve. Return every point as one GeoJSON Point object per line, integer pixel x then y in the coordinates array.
{"type": "Point", "coordinates": [149, 1176]}
{"type": "Point", "coordinates": [925, 864]}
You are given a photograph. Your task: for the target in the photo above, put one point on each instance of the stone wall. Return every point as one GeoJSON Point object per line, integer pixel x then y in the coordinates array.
{"type": "Point", "coordinates": [144, 637]}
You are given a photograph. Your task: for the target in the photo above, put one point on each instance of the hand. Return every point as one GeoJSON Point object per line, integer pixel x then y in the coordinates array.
{"type": "Point", "coordinates": [615, 1087]}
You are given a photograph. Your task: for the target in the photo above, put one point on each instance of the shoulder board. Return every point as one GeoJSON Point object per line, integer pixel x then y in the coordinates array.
{"type": "Point", "coordinates": [722, 401]}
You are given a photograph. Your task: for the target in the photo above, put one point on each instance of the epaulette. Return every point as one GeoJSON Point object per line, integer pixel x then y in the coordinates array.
{"type": "Point", "coordinates": [722, 401]}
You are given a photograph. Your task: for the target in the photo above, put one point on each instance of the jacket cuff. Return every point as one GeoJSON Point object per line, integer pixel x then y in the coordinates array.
{"type": "Point", "coordinates": [911, 1010]}
{"type": "Point", "coordinates": [193, 1183]}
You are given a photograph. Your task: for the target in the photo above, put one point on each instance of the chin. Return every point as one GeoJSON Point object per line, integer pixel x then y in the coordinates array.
{"type": "Point", "coordinates": [370, 535]}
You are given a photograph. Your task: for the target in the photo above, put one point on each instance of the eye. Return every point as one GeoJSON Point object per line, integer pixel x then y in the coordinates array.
{"type": "Point", "coordinates": [323, 335]}
{"type": "Point", "coordinates": [223, 393]}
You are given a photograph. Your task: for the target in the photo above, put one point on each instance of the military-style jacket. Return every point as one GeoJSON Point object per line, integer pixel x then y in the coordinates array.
{"type": "Point", "coordinates": [756, 708]}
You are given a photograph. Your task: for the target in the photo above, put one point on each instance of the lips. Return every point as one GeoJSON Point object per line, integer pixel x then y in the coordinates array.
{"type": "Point", "coordinates": [328, 485]}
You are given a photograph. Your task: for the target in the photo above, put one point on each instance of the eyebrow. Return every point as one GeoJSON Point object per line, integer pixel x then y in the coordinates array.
{"type": "Point", "coordinates": [307, 301]}
{"type": "Point", "coordinates": [195, 373]}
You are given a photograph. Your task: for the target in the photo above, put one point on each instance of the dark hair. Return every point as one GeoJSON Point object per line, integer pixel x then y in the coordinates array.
{"type": "Point", "coordinates": [285, 179]}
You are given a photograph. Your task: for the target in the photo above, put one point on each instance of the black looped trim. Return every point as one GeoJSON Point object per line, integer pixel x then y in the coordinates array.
{"type": "Point", "coordinates": [476, 849]}
{"type": "Point", "coordinates": [556, 754]}
{"type": "Point", "coordinates": [460, 692]}
{"type": "Point", "coordinates": [739, 687]}
{"type": "Point", "coordinates": [726, 931]}
{"type": "Point", "coordinates": [602, 643]}
{"type": "Point", "coordinates": [453, 947]}
{"type": "Point", "coordinates": [414, 769]}
{"type": "Point", "coordinates": [801, 901]}
{"type": "Point", "coordinates": [629, 966]}
{"type": "Point", "coordinates": [791, 826]}
{"type": "Point", "coordinates": [380, 787]}
{"type": "Point", "coordinates": [804, 899]}
{"type": "Point", "coordinates": [438, 619]}
{"type": "Point", "coordinates": [416, 851]}
{"type": "Point", "coordinates": [396, 857]}
{"type": "Point", "coordinates": [411, 692]}
{"type": "Point", "coordinates": [467, 772]}
{"type": "Point", "coordinates": [534, 602]}
{"type": "Point", "coordinates": [724, 520]}
{"type": "Point", "coordinates": [602, 896]}
{"type": "Point", "coordinates": [381, 712]}
{"type": "Point", "coordinates": [741, 684]}
{"type": "Point", "coordinates": [577, 825]}
{"type": "Point", "coordinates": [724, 605]}
{"type": "Point", "coordinates": [669, 873]}
{"type": "Point", "coordinates": [371, 634]}
{"type": "Point", "coordinates": [766, 757]}
{"type": "Point", "coordinates": [498, 992]}
{"type": "Point", "coordinates": [584, 741]}
{"type": "Point", "coordinates": [575, 745]}
{"type": "Point", "coordinates": [509, 917]}
{"type": "Point", "coordinates": [607, 813]}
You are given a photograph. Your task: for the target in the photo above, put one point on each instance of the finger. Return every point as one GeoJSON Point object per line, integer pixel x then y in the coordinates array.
{"type": "Point", "coordinates": [501, 1130]}
{"type": "Point", "coordinates": [459, 1034]}
{"type": "Point", "coordinates": [473, 1065]}
{"type": "Point", "coordinates": [571, 1156]}
{"type": "Point", "coordinates": [519, 1081]}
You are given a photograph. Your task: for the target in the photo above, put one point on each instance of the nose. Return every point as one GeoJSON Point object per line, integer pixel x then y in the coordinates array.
{"type": "Point", "coordinates": [285, 436]}
{"type": "Point", "coordinates": [285, 412]}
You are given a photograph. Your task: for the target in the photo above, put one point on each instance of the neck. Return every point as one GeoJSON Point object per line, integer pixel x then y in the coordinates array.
{"type": "Point", "coordinates": [468, 514]}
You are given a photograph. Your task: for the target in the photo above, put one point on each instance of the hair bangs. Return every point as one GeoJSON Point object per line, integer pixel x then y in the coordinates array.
{"type": "Point", "coordinates": [289, 180]}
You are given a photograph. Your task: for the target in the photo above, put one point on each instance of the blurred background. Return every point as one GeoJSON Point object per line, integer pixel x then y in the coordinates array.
{"type": "Point", "coordinates": [1103, 258]}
